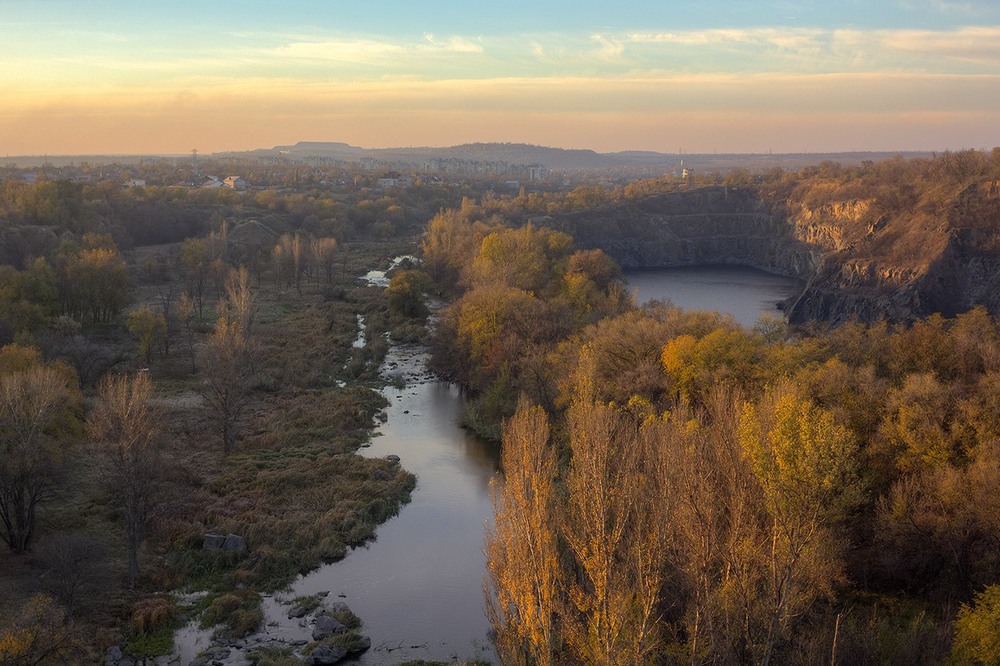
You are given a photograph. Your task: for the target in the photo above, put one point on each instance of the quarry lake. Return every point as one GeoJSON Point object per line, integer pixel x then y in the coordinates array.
{"type": "Point", "coordinates": [745, 293]}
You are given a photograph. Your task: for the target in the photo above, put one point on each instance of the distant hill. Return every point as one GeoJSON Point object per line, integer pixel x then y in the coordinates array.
{"type": "Point", "coordinates": [630, 162]}
{"type": "Point", "coordinates": [510, 153]}
{"type": "Point", "coordinates": [563, 159]}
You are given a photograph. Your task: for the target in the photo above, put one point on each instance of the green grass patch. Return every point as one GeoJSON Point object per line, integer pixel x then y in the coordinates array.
{"type": "Point", "coordinates": [347, 618]}
{"type": "Point", "coordinates": [236, 613]}
{"type": "Point", "coordinates": [273, 656]}
{"type": "Point", "coordinates": [152, 644]}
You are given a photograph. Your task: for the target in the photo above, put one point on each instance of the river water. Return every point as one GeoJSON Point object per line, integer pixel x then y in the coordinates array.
{"type": "Point", "coordinates": [418, 586]}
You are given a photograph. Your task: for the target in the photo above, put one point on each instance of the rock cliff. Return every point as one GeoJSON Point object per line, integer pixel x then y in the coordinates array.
{"type": "Point", "coordinates": [712, 225]}
{"type": "Point", "coordinates": [858, 257]}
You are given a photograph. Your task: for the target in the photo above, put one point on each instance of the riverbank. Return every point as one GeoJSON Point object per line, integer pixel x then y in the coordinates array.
{"type": "Point", "coordinates": [417, 585]}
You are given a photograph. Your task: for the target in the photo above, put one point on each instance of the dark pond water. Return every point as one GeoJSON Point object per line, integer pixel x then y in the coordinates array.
{"type": "Point", "coordinates": [745, 293]}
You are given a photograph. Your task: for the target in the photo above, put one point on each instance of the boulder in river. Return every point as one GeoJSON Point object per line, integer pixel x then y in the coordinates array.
{"type": "Point", "coordinates": [325, 626]}
{"type": "Point", "coordinates": [327, 654]}
{"type": "Point", "coordinates": [392, 457]}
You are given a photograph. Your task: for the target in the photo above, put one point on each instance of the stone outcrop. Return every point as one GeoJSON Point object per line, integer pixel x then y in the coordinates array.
{"type": "Point", "coordinates": [856, 261]}
{"type": "Point", "coordinates": [712, 225]}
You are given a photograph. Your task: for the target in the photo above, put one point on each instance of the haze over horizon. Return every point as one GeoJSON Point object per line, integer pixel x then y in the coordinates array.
{"type": "Point", "coordinates": [781, 76]}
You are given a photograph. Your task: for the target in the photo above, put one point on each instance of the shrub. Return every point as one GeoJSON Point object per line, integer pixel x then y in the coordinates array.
{"type": "Point", "coordinates": [977, 630]}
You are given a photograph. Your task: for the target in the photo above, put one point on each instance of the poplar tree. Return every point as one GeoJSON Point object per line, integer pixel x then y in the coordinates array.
{"type": "Point", "coordinates": [522, 558]}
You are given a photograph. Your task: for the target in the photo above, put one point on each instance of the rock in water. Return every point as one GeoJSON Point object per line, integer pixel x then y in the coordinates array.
{"type": "Point", "coordinates": [326, 625]}
{"type": "Point", "coordinates": [327, 654]}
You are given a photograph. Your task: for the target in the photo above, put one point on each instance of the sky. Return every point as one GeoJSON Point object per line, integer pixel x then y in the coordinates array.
{"type": "Point", "coordinates": [99, 77]}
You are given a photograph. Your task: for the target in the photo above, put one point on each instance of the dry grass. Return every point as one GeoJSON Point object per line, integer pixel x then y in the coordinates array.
{"type": "Point", "coordinates": [294, 487]}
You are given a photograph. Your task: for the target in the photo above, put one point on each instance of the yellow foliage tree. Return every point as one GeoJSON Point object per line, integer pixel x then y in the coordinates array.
{"type": "Point", "coordinates": [808, 472]}
{"type": "Point", "coordinates": [522, 557]}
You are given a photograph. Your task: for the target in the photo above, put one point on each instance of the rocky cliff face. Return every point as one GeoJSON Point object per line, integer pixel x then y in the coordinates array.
{"type": "Point", "coordinates": [857, 261]}
{"type": "Point", "coordinates": [713, 225]}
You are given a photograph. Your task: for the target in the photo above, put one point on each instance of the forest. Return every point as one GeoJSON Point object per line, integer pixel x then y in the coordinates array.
{"type": "Point", "coordinates": [679, 489]}
{"type": "Point", "coordinates": [178, 361]}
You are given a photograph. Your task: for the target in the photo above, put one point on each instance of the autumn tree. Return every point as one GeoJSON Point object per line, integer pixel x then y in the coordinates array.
{"type": "Point", "coordinates": [34, 402]}
{"type": "Point", "coordinates": [694, 500]}
{"type": "Point", "coordinates": [323, 256]}
{"type": "Point", "coordinates": [527, 258]}
{"type": "Point", "coordinates": [37, 634]}
{"type": "Point", "coordinates": [977, 629]}
{"type": "Point", "coordinates": [29, 299]}
{"type": "Point", "coordinates": [615, 586]}
{"type": "Point", "coordinates": [124, 425]}
{"type": "Point", "coordinates": [449, 245]}
{"type": "Point", "coordinates": [195, 264]}
{"type": "Point", "coordinates": [291, 260]}
{"type": "Point", "coordinates": [228, 358]}
{"type": "Point", "coordinates": [917, 428]}
{"type": "Point", "coordinates": [94, 284]}
{"type": "Point", "coordinates": [406, 293]}
{"type": "Point", "coordinates": [522, 592]}
{"type": "Point", "coordinates": [808, 472]}
{"type": "Point", "coordinates": [150, 326]}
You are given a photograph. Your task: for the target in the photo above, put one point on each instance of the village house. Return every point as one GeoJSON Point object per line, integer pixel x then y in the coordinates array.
{"type": "Point", "coordinates": [235, 183]}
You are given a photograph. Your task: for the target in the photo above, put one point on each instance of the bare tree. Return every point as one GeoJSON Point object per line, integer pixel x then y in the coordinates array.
{"type": "Point", "coordinates": [124, 424]}
{"type": "Point", "coordinates": [186, 311]}
{"type": "Point", "coordinates": [75, 569]}
{"type": "Point", "coordinates": [522, 557]}
{"type": "Point", "coordinates": [323, 253]}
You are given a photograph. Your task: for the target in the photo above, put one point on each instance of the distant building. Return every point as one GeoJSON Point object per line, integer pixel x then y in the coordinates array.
{"type": "Point", "coordinates": [536, 172]}
{"type": "Point", "coordinates": [212, 182]}
{"type": "Point", "coordinates": [235, 183]}
{"type": "Point", "coordinates": [393, 179]}
{"type": "Point", "coordinates": [135, 182]}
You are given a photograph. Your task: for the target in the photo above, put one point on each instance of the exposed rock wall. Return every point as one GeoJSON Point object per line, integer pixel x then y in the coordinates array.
{"type": "Point", "coordinates": [857, 263]}
{"type": "Point", "coordinates": [714, 225]}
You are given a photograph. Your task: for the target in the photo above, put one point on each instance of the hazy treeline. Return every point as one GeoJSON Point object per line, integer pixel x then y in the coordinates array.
{"type": "Point", "coordinates": [678, 488]}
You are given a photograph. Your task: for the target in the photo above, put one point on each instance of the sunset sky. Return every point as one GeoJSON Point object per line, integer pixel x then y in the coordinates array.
{"type": "Point", "coordinates": [698, 76]}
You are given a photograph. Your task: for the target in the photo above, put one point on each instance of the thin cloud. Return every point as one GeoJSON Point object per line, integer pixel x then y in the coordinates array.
{"type": "Point", "coordinates": [980, 45]}
{"type": "Point", "coordinates": [376, 51]}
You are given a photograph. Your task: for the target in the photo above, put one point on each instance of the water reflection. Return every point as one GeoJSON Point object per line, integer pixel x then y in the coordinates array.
{"type": "Point", "coordinates": [418, 586]}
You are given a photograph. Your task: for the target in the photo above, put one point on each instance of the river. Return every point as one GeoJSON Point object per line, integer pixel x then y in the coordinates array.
{"type": "Point", "coordinates": [418, 586]}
